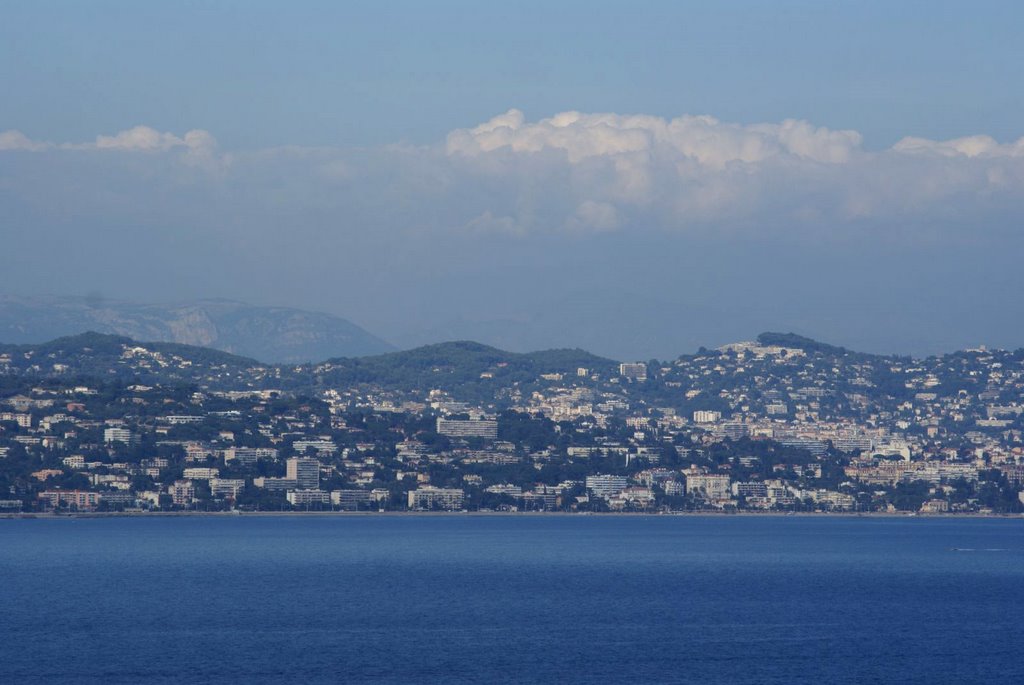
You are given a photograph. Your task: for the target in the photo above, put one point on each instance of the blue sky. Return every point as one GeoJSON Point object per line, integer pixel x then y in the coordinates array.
{"type": "Point", "coordinates": [851, 171]}
{"type": "Point", "coordinates": [258, 74]}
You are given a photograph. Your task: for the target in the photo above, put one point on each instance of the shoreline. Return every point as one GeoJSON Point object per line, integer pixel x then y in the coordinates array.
{"type": "Point", "coordinates": [507, 514]}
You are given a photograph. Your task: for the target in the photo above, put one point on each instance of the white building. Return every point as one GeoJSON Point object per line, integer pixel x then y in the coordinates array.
{"type": "Point", "coordinates": [634, 371]}
{"type": "Point", "coordinates": [704, 416]}
{"type": "Point", "coordinates": [430, 497]}
{"type": "Point", "coordinates": [115, 434]}
{"type": "Point", "coordinates": [226, 487]}
{"type": "Point", "coordinates": [200, 473]}
{"type": "Point", "coordinates": [301, 498]}
{"type": "Point", "coordinates": [708, 485]}
{"type": "Point", "coordinates": [606, 486]}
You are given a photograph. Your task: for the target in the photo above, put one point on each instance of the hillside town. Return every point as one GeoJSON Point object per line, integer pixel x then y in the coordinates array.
{"type": "Point", "coordinates": [781, 424]}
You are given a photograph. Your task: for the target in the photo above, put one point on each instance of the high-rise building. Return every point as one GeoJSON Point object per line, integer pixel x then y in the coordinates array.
{"type": "Point", "coordinates": [305, 471]}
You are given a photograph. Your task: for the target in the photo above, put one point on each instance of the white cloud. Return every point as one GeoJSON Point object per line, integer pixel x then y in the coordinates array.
{"type": "Point", "coordinates": [971, 146]}
{"type": "Point", "coordinates": [16, 140]}
{"type": "Point", "coordinates": [585, 173]}
{"type": "Point", "coordinates": [199, 147]}
{"type": "Point", "coordinates": [140, 138]}
{"type": "Point", "coordinates": [703, 139]}
{"type": "Point", "coordinates": [676, 174]}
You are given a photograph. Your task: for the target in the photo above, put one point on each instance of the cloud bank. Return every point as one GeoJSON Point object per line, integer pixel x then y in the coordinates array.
{"type": "Point", "coordinates": [735, 227]}
{"type": "Point", "coordinates": [578, 173]}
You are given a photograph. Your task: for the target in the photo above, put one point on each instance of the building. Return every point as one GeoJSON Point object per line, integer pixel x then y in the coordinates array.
{"type": "Point", "coordinates": [350, 500]}
{"type": "Point", "coordinates": [275, 484]}
{"type": "Point", "coordinates": [468, 428]}
{"type": "Point", "coordinates": [116, 434]}
{"type": "Point", "coordinates": [304, 498]}
{"type": "Point", "coordinates": [75, 461]}
{"type": "Point", "coordinates": [429, 497]}
{"type": "Point", "coordinates": [704, 416]}
{"type": "Point", "coordinates": [73, 499]}
{"type": "Point", "coordinates": [118, 498]}
{"type": "Point", "coordinates": [183, 420]}
{"type": "Point", "coordinates": [305, 471]}
{"type": "Point", "coordinates": [182, 492]}
{"type": "Point", "coordinates": [320, 446]}
{"type": "Point", "coordinates": [673, 488]}
{"type": "Point", "coordinates": [226, 487]}
{"type": "Point", "coordinates": [606, 486]}
{"type": "Point", "coordinates": [200, 473]}
{"type": "Point", "coordinates": [505, 489]}
{"type": "Point", "coordinates": [248, 456]}
{"type": "Point", "coordinates": [750, 489]}
{"type": "Point", "coordinates": [632, 497]}
{"type": "Point", "coordinates": [634, 371]}
{"type": "Point", "coordinates": [707, 485]}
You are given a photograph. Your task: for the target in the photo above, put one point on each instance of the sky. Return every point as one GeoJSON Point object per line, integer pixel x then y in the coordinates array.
{"type": "Point", "coordinates": [638, 179]}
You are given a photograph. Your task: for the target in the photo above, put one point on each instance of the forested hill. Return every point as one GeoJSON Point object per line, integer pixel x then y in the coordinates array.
{"type": "Point", "coordinates": [780, 371]}
{"type": "Point", "coordinates": [446, 366]}
{"type": "Point", "coordinates": [453, 365]}
{"type": "Point", "coordinates": [103, 356]}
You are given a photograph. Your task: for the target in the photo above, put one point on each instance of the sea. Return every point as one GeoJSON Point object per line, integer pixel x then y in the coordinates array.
{"type": "Point", "coordinates": [464, 598]}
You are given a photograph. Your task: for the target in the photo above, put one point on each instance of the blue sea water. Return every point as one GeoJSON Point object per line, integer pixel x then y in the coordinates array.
{"type": "Point", "coordinates": [482, 599]}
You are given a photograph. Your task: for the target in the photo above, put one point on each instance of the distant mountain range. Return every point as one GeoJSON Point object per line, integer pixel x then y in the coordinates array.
{"type": "Point", "coordinates": [269, 334]}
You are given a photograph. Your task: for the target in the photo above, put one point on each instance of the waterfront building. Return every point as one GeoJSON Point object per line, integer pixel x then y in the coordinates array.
{"type": "Point", "coordinates": [606, 486]}
{"type": "Point", "coordinates": [429, 497]}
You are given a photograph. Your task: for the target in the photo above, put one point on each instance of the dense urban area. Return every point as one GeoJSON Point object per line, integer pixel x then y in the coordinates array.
{"type": "Point", "coordinates": [98, 423]}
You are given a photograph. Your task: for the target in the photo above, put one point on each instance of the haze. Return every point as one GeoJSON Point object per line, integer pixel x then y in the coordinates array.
{"type": "Point", "coordinates": [636, 181]}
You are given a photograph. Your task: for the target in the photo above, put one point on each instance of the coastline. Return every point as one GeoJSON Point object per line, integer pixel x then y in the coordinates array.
{"type": "Point", "coordinates": [509, 514]}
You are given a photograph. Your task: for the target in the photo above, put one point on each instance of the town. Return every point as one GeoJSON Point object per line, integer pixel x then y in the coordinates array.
{"type": "Point", "coordinates": [782, 424]}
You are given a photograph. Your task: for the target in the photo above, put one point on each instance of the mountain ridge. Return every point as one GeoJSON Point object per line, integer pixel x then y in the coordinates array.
{"type": "Point", "coordinates": [270, 334]}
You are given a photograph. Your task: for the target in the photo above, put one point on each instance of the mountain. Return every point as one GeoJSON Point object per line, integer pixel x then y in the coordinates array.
{"type": "Point", "coordinates": [270, 334]}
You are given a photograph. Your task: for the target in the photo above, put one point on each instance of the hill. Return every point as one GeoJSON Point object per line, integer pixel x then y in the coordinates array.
{"type": "Point", "coordinates": [103, 356]}
{"type": "Point", "coordinates": [472, 369]}
{"type": "Point", "coordinates": [467, 365]}
{"type": "Point", "coordinates": [799, 342]}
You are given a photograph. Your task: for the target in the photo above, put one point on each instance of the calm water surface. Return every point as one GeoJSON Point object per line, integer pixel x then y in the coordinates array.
{"type": "Point", "coordinates": [476, 599]}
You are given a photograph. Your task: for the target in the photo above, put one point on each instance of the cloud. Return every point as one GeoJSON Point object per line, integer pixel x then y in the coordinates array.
{"type": "Point", "coordinates": [971, 146]}
{"type": "Point", "coordinates": [585, 173]}
{"type": "Point", "coordinates": [702, 139]}
{"type": "Point", "coordinates": [140, 139]}
{"type": "Point", "coordinates": [16, 140]}
{"type": "Point", "coordinates": [197, 147]}
{"type": "Point", "coordinates": [697, 173]}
